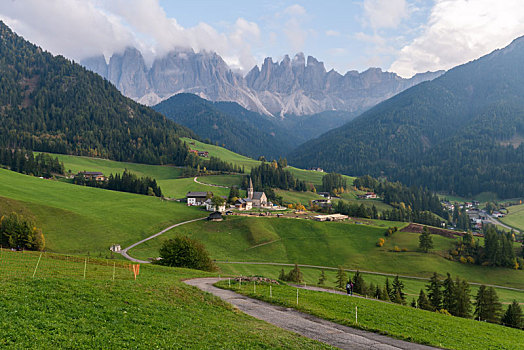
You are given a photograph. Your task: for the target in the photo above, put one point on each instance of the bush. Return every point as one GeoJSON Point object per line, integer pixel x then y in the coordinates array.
{"type": "Point", "coordinates": [20, 233]}
{"type": "Point", "coordinates": [185, 252]}
{"type": "Point", "coordinates": [396, 249]}
{"type": "Point", "coordinates": [380, 242]}
{"type": "Point", "coordinates": [404, 249]}
{"type": "Point", "coordinates": [463, 260]}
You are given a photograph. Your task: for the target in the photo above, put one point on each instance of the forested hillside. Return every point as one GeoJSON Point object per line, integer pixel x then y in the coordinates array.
{"type": "Point", "coordinates": [229, 124]}
{"type": "Point", "coordinates": [51, 104]}
{"type": "Point", "coordinates": [461, 132]}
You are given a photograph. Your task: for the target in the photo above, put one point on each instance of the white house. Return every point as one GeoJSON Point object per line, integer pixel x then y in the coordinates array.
{"type": "Point", "coordinates": [115, 248]}
{"type": "Point", "coordinates": [211, 207]}
{"type": "Point", "coordinates": [197, 198]}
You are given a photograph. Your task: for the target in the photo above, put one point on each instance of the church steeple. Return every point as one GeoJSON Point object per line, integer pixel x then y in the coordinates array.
{"type": "Point", "coordinates": [250, 189]}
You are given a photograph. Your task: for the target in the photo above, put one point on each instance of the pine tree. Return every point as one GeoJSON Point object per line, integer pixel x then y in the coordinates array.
{"type": "Point", "coordinates": [434, 292]}
{"type": "Point", "coordinates": [487, 305]}
{"type": "Point", "coordinates": [295, 275]}
{"type": "Point", "coordinates": [282, 275]}
{"type": "Point", "coordinates": [359, 285]}
{"type": "Point", "coordinates": [388, 290]}
{"type": "Point", "coordinates": [462, 299]}
{"type": "Point", "coordinates": [423, 302]}
{"type": "Point", "coordinates": [398, 292]}
{"type": "Point", "coordinates": [322, 278]}
{"type": "Point", "coordinates": [341, 278]}
{"type": "Point", "coordinates": [425, 240]}
{"type": "Point", "coordinates": [513, 316]}
{"type": "Point", "coordinates": [378, 293]}
{"type": "Point", "coordinates": [448, 294]}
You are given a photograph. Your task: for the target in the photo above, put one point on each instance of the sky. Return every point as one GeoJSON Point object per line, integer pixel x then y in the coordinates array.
{"type": "Point", "coordinates": [402, 36]}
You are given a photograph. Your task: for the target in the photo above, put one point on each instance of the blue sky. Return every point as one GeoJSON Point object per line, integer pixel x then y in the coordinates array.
{"type": "Point", "coordinates": [403, 36]}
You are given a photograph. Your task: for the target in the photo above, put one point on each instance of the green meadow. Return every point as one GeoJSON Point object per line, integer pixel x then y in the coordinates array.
{"type": "Point", "coordinates": [78, 219]}
{"type": "Point", "coordinates": [394, 320]}
{"type": "Point", "coordinates": [308, 242]}
{"type": "Point", "coordinates": [157, 311]}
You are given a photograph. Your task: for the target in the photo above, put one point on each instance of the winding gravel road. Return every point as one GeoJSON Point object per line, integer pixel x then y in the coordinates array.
{"type": "Point", "coordinates": [124, 251]}
{"type": "Point", "coordinates": [307, 325]}
{"type": "Point", "coordinates": [212, 185]}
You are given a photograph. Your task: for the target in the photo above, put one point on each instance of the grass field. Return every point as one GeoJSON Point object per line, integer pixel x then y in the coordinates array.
{"type": "Point", "coordinates": [401, 322]}
{"type": "Point", "coordinates": [222, 180]}
{"type": "Point", "coordinates": [78, 219]}
{"type": "Point", "coordinates": [157, 311]}
{"type": "Point", "coordinates": [328, 244]}
{"type": "Point", "coordinates": [515, 217]}
{"type": "Point", "coordinates": [292, 197]}
{"type": "Point", "coordinates": [311, 276]}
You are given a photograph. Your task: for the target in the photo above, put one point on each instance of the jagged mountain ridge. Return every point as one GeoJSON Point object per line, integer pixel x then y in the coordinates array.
{"type": "Point", "coordinates": [291, 87]}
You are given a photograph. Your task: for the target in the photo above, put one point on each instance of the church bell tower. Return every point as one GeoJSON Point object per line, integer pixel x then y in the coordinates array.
{"type": "Point", "coordinates": [250, 189]}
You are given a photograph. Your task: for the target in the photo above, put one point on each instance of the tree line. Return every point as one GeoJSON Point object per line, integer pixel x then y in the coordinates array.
{"type": "Point", "coordinates": [127, 182]}
{"type": "Point", "coordinates": [25, 162]}
{"type": "Point", "coordinates": [273, 175]}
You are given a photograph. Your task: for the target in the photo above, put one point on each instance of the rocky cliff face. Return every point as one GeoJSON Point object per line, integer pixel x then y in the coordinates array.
{"type": "Point", "coordinates": [291, 87]}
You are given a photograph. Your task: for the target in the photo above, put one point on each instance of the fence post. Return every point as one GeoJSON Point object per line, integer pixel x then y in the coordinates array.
{"type": "Point", "coordinates": [114, 269]}
{"type": "Point", "coordinates": [229, 282]}
{"type": "Point", "coordinates": [85, 267]}
{"type": "Point", "coordinates": [356, 314]}
{"type": "Point", "coordinates": [270, 293]}
{"type": "Point", "coordinates": [254, 287]}
{"type": "Point", "coordinates": [297, 296]}
{"type": "Point", "coordinates": [36, 267]}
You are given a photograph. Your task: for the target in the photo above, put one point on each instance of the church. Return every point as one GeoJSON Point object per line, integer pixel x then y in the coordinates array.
{"type": "Point", "coordinates": [258, 199]}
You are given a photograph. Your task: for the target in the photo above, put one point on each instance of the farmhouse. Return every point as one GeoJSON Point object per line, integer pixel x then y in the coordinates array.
{"type": "Point", "coordinates": [320, 170]}
{"type": "Point", "coordinates": [243, 204]}
{"type": "Point", "coordinates": [115, 248]}
{"type": "Point", "coordinates": [215, 216]}
{"type": "Point", "coordinates": [92, 175]}
{"type": "Point", "coordinates": [211, 207]}
{"type": "Point", "coordinates": [197, 198]}
{"type": "Point", "coordinates": [332, 217]}
{"type": "Point", "coordinates": [322, 202]}
{"type": "Point", "coordinates": [368, 195]}
{"type": "Point", "coordinates": [203, 153]}
{"type": "Point", "coordinates": [326, 195]}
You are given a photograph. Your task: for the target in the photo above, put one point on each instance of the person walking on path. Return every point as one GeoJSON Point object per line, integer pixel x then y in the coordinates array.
{"type": "Point", "coordinates": [349, 288]}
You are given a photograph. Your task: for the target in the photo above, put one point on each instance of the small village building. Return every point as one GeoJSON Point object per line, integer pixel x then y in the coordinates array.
{"type": "Point", "coordinates": [244, 204]}
{"type": "Point", "coordinates": [211, 207]}
{"type": "Point", "coordinates": [203, 153]}
{"type": "Point", "coordinates": [115, 248]}
{"type": "Point", "coordinates": [197, 198]}
{"type": "Point", "coordinates": [322, 202]}
{"type": "Point", "coordinates": [326, 195]}
{"type": "Point", "coordinates": [320, 170]}
{"type": "Point", "coordinates": [331, 217]}
{"type": "Point", "coordinates": [215, 216]}
{"type": "Point", "coordinates": [92, 175]}
{"type": "Point", "coordinates": [368, 195]}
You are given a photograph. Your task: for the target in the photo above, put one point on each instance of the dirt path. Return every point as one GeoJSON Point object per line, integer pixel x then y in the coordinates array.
{"type": "Point", "coordinates": [307, 325]}
{"type": "Point", "coordinates": [124, 251]}
{"type": "Point", "coordinates": [202, 183]}
{"type": "Point", "coordinates": [362, 271]}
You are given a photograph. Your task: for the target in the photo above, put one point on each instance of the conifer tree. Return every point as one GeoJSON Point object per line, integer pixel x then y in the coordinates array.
{"type": "Point", "coordinates": [359, 286]}
{"type": "Point", "coordinates": [398, 292]}
{"type": "Point", "coordinates": [448, 294]}
{"type": "Point", "coordinates": [434, 292]}
{"type": "Point", "coordinates": [462, 299]}
{"type": "Point", "coordinates": [513, 316]}
{"type": "Point", "coordinates": [423, 302]}
{"type": "Point", "coordinates": [425, 240]}
{"type": "Point", "coordinates": [322, 278]}
{"type": "Point", "coordinates": [487, 305]}
{"type": "Point", "coordinates": [341, 278]}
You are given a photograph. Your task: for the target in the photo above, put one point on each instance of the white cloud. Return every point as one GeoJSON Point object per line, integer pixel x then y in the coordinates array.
{"type": "Point", "coordinates": [385, 14]}
{"type": "Point", "coordinates": [82, 28]}
{"type": "Point", "coordinates": [332, 33]}
{"type": "Point", "coordinates": [459, 31]}
{"type": "Point", "coordinates": [295, 33]}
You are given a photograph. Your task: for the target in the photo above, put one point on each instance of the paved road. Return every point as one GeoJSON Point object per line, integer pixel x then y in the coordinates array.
{"type": "Point", "coordinates": [307, 325]}
{"type": "Point", "coordinates": [124, 251]}
{"type": "Point", "coordinates": [362, 271]}
{"type": "Point", "coordinates": [495, 221]}
{"type": "Point", "coordinates": [212, 185]}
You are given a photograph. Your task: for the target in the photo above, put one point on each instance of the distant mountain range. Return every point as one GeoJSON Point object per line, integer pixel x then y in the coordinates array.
{"type": "Point", "coordinates": [291, 87]}
{"type": "Point", "coordinates": [462, 132]}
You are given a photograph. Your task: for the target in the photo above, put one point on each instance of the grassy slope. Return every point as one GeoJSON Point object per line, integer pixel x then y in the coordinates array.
{"type": "Point", "coordinates": [157, 311]}
{"type": "Point", "coordinates": [79, 219]}
{"type": "Point", "coordinates": [515, 217]}
{"type": "Point", "coordinates": [395, 320]}
{"type": "Point", "coordinates": [328, 244]}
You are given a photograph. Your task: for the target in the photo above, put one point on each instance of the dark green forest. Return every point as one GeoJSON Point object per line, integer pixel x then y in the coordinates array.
{"type": "Point", "coordinates": [461, 133]}
{"type": "Point", "coordinates": [127, 182]}
{"type": "Point", "coordinates": [51, 104]}
{"type": "Point", "coordinates": [26, 162]}
{"type": "Point", "coordinates": [230, 125]}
